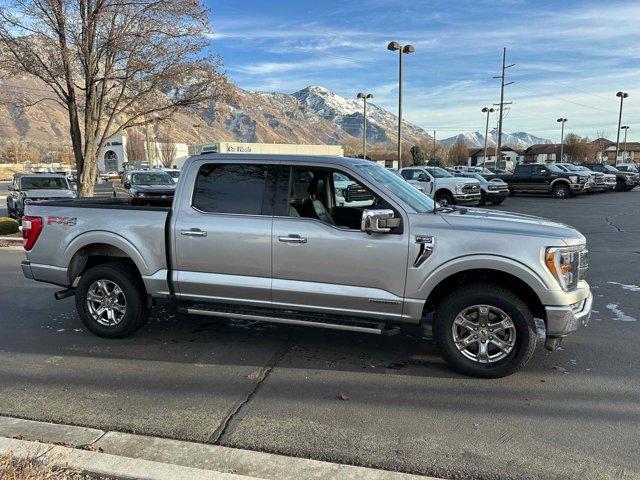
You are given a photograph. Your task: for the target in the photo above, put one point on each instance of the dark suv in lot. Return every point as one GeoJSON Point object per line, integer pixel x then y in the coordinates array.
{"type": "Point", "coordinates": [540, 178]}
{"type": "Point", "coordinates": [625, 181]}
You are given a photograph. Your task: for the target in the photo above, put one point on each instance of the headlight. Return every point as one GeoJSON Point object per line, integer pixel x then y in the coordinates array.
{"type": "Point", "coordinates": [459, 188]}
{"type": "Point", "coordinates": [573, 178]}
{"type": "Point", "coordinates": [140, 195]}
{"type": "Point", "coordinates": [567, 265]}
{"type": "Point", "coordinates": [339, 192]}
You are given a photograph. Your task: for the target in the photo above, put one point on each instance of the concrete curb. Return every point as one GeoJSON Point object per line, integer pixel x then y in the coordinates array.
{"type": "Point", "coordinates": [128, 456]}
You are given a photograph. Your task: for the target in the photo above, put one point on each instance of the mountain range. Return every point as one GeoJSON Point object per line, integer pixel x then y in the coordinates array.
{"type": "Point", "coordinates": [476, 139]}
{"type": "Point", "coordinates": [313, 115]}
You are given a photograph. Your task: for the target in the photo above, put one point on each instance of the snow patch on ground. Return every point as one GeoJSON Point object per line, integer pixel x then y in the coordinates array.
{"type": "Point", "coordinates": [631, 288]}
{"type": "Point", "coordinates": [620, 315]}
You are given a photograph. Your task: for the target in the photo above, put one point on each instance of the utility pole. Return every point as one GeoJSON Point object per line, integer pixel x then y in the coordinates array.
{"type": "Point", "coordinates": [624, 144]}
{"type": "Point", "coordinates": [502, 104]}
{"type": "Point", "coordinates": [364, 97]}
{"type": "Point", "coordinates": [433, 155]}
{"type": "Point", "coordinates": [622, 96]}
{"type": "Point", "coordinates": [562, 121]}
{"type": "Point", "coordinates": [488, 111]}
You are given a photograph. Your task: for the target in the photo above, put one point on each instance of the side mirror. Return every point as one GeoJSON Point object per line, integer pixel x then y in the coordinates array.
{"type": "Point", "coordinates": [544, 172]}
{"type": "Point", "coordinates": [423, 177]}
{"type": "Point", "coordinates": [378, 221]}
{"type": "Point", "coordinates": [126, 185]}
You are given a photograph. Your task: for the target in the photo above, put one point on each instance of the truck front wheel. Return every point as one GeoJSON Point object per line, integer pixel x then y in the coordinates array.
{"type": "Point", "coordinates": [484, 331]}
{"type": "Point", "coordinates": [111, 300]}
{"type": "Point", "coordinates": [444, 198]}
{"type": "Point", "coordinates": [561, 191]}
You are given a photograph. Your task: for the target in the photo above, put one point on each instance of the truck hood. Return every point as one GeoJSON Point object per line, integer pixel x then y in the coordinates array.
{"type": "Point", "coordinates": [481, 220]}
{"type": "Point", "coordinates": [49, 193]}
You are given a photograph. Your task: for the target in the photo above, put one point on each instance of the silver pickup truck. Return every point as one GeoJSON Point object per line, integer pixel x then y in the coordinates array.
{"type": "Point", "coordinates": [263, 238]}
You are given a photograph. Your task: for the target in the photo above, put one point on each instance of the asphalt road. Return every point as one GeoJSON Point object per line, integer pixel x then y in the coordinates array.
{"type": "Point", "coordinates": [574, 413]}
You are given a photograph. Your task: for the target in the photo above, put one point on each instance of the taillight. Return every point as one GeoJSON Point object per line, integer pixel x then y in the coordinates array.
{"type": "Point", "coordinates": [31, 228]}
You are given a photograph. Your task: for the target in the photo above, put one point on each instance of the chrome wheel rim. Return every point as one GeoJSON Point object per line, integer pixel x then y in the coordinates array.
{"type": "Point", "coordinates": [483, 333]}
{"type": "Point", "coordinates": [561, 192]}
{"type": "Point", "coordinates": [106, 303]}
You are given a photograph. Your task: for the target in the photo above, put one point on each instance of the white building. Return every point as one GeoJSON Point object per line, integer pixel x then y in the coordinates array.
{"type": "Point", "coordinates": [113, 156]}
{"type": "Point", "coordinates": [274, 148]}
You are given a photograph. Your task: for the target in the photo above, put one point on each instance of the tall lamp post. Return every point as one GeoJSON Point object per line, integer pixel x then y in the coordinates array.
{"type": "Point", "coordinates": [622, 96]}
{"type": "Point", "coordinates": [487, 110]}
{"type": "Point", "coordinates": [562, 121]}
{"type": "Point", "coordinates": [395, 46]}
{"type": "Point", "coordinates": [624, 143]}
{"type": "Point", "coordinates": [364, 97]}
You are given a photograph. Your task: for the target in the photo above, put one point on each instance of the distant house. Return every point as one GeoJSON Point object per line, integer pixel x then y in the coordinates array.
{"type": "Point", "coordinates": [626, 153]}
{"type": "Point", "coordinates": [542, 153]}
{"type": "Point", "coordinates": [509, 157]}
{"type": "Point", "coordinates": [113, 155]}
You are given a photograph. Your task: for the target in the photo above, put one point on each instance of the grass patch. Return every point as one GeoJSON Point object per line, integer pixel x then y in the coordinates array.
{"type": "Point", "coordinates": [36, 468]}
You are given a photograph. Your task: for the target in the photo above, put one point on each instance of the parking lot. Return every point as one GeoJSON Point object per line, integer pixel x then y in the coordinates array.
{"type": "Point", "coordinates": [388, 402]}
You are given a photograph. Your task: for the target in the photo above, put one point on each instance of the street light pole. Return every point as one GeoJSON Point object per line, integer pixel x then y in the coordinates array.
{"type": "Point", "coordinates": [487, 110]}
{"type": "Point", "coordinates": [622, 96]}
{"type": "Point", "coordinates": [624, 144]}
{"type": "Point", "coordinates": [562, 121]}
{"type": "Point", "coordinates": [393, 46]}
{"type": "Point", "coordinates": [364, 97]}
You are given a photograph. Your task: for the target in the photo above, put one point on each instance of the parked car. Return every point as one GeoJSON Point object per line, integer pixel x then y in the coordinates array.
{"type": "Point", "coordinates": [443, 186]}
{"type": "Point", "coordinates": [540, 178]}
{"type": "Point", "coordinates": [146, 184]}
{"type": "Point", "coordinates": [628, 167]}
{"type": "Point", "coordinates": [249, 237]}
{"type": "Point", "coordinates": [30, 187]}
{"type": "Point", "coordinates": [174, 173]}
{"type": "Point", "coordinates": [597, 180]}
{"type": "Point", "coordinates": [493, 191]}
{"type": "Point", "coordinates": [625, 181]}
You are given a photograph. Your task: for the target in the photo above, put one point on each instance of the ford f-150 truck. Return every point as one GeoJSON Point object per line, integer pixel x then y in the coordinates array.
{"type": "Point", "coordinates": [263, 238]}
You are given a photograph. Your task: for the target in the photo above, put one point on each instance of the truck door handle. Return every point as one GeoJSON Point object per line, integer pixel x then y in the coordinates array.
{"type": "Point", "coordinates": [293, 238]}
{"type": "Point", "coordinates": [193, 232]}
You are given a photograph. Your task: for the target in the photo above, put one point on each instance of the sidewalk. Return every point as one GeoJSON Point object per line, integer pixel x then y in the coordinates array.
{"type": "Point", "coordinates": [127, 456]}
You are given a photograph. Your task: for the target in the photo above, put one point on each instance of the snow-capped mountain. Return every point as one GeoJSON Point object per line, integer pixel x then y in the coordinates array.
{"type": "Point", "coordinates": [476, 139]}
{"type": "Point", "coordinates": [312, 115]}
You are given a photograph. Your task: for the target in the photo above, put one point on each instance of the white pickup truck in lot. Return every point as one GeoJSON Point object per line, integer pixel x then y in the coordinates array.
{"type": "Point", "coordinates": [443, 186]}
{"type": "Point", "coordinates": [268, 238]}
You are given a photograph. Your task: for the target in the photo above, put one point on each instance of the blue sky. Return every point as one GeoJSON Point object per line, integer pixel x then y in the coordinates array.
{"type": "Point", "coordinates": [571, 57]}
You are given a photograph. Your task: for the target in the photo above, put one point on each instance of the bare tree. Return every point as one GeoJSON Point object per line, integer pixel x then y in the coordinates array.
{"type": "Point", "coordinates": [167, 147]}
{"type": "Point", "coordinates": [112, 64]}
{"type": "Point", "coordinates": [136, 149]}
{"type": "Point", "coordinates": [458, 153]}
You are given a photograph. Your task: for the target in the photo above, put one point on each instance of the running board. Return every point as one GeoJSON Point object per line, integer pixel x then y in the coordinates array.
{"type": "Point", "coordinates": [350, 324]}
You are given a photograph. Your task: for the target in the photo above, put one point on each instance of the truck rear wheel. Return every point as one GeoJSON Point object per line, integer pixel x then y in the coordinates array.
{"type": "Point", "coordinates": [484, 331]}
{"type": "Point", "coordinates": [111, 300]}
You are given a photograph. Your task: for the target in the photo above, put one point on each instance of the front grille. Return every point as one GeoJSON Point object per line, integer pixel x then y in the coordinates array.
{"type": "Point", "coordinates": [470, 188]}
{"type": "Point", "coordinates": [583, 264]}
{"type": "Point", "coordinates": [167, 194]}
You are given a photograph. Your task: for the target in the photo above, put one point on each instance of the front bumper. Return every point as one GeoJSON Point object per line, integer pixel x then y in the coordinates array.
{"type": "Point", "coordinates": [470, 198]}
{"type": "Point", "coordinates": [564, 320]}
{"type": "Point", "coordinates": [576, 187]}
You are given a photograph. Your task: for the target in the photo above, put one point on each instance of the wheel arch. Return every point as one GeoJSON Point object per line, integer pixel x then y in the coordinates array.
{"type": "Point", "coordinates": [95, 248]}
{"type": "Point", "coordinates": [522, 283]}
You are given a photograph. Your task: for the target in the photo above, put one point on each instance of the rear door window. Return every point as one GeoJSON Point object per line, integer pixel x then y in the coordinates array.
{"type": "Point", "coordinates": [234, 188]}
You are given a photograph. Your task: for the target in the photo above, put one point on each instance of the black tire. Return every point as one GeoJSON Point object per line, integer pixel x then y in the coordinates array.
{"type": "Point", "coordinates": [494, 296]}
{"type": "Point", "coordinates": [511, 192]}
{"type": "Point", "coordinates": [445, 198]}
{"type": "Point", "coordinates": [126, 277]}
{"type": "Point", "coordinates": [483, 200]}
{"type": "Point", "coordinates": [620, 186]}
{"type": "Point", "coordinates": [561, 190]}
{"type": "Point", "coordinates": [497, 201]}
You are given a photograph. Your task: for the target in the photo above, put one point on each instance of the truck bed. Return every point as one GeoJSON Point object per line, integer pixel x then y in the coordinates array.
{"type": "Point", "coordinates": [132, 227]}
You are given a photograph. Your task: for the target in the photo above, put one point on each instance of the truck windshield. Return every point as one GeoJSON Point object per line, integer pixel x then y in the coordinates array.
{"type": "Point", "coordinates": [44, 183]}
{"type": "Point", "coordinates": [439, 172]}
{"type": "Point", "coordinates": [151, 179]}
{"type": "Point", "coordinates": [398, 186]}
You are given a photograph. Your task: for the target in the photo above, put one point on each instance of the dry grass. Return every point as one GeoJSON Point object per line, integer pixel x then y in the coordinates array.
{"type": "Point", "coordinates": [34, 468]}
